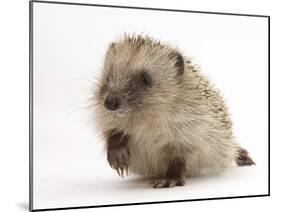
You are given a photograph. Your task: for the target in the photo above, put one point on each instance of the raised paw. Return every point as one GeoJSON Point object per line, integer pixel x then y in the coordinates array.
{"type": "Point", "coordinates": [167, 183]}
{"type": "Point", "coordinates": [119, 159]}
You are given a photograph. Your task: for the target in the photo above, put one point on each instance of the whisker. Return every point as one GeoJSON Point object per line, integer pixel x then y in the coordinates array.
{"type": "Point", "coordinates": [84, 105]}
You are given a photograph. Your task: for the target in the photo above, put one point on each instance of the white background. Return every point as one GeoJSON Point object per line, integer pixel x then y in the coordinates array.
{"type": "Point", "coordinates": [14, 107]}
{"type": "Point", "coordinates": [70, 167]}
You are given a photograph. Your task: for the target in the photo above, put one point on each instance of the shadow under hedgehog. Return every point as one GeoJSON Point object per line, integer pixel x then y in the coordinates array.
{"type": "Point", "coordinates": [160, 117]}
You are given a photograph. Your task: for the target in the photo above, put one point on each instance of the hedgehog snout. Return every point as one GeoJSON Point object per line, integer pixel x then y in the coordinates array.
{"type": "Point", "coordinates": [112, 102]}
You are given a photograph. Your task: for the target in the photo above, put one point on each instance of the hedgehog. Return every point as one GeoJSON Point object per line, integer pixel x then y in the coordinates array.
{"type": "Point", "coordinates": [159, 117]}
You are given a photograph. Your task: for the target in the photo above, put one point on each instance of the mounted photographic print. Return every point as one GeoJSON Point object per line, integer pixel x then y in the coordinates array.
{"type": "Point", "coordinates": [133, 105]}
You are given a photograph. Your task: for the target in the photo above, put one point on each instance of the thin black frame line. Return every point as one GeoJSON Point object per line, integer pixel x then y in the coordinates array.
{"type": "Point", "coordinates": [30, 106]}
{"type": "Point", "coordinates": [149, 203]}
{"type": "Point", "coordinates": [268, 104]}
{"type": "Point", "coordinates": [149, 8]}
{"type": "Point", "coordinates": [31, 170]}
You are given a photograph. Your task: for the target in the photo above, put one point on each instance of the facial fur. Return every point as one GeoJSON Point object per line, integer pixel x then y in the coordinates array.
{"type": "Point", "coordinates": [133, 74]}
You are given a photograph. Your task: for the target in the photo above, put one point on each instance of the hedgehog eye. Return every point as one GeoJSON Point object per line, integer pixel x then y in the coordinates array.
{"type": "Point", "coordinates": [146, 79]}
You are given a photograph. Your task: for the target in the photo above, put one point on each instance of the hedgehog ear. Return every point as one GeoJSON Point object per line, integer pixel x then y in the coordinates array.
{"type": "Point", "coordinates": [179, 62]}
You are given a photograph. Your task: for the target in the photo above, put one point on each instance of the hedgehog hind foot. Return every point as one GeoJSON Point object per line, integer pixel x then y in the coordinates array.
{"type": "Point", "coordinates": [167, 183]}
{"type": "Point", "coordinates": [243, 158]}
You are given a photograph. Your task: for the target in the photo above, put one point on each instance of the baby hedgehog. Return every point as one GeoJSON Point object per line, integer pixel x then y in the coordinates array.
{"type": "Point", "coordinates": [159, 116]}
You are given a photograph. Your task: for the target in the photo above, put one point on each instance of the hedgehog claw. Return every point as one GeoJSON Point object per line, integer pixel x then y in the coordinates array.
{"type": "Point", "coordinates": [121, 172]}
{"type": "Point", "coordinates": [126, 167]}
{"type": "Point", "coordinates": [118, 171]}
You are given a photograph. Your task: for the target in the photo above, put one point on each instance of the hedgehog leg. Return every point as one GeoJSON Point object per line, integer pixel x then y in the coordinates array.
{"type": "Point", "coordinates": [118, 154]}
{"type": "Point", "coordinates": [174, 175]}
{"type": "Point", "coordinates": [243, 158]}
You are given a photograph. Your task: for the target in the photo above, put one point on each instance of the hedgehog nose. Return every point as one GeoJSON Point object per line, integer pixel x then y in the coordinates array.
{"type": "Point", "coordinates": [112, 103]}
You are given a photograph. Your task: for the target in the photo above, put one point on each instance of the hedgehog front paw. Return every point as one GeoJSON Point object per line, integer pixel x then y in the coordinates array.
{"type": "Point", "coordinates": [119, 159]}
{"type": "Point", "coordinates": [167, 183]}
